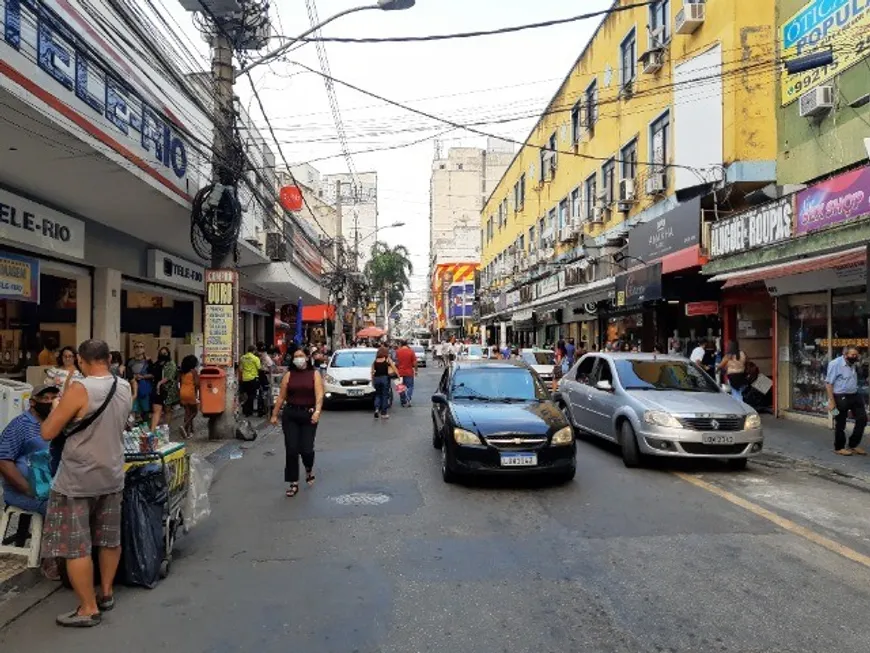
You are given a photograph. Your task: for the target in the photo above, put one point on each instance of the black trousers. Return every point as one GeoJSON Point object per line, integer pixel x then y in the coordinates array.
{"type": "Point", "coordinates": [299, 435]}
{"type": "Point", "coordinates": [845, 403]}
{"type": "Point", "coordinates": [249, 388]}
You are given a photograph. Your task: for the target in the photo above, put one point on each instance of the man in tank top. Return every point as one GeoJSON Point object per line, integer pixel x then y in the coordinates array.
{"type": "Point", "coordinates": [84, 507]}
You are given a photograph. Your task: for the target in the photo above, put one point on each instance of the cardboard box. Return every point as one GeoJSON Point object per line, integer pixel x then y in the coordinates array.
{"type": "Point", "coordinates": [165, 332]}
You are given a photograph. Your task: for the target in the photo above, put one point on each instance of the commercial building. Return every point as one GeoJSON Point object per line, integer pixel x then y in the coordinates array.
{"type": "Point", "coordinates": [797, 261]}
{"type": "Point", "coordinates": [104, 146]}
{"type": "Point", "coordinates": [599, 227]}
{"type": "Point", "coordinates": [356, 195]}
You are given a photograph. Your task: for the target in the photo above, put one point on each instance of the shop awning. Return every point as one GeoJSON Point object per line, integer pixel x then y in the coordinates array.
{"type": "Point", "coordinates": [854, 256]}
{"type": "Point", "coordinates": [318, 313]}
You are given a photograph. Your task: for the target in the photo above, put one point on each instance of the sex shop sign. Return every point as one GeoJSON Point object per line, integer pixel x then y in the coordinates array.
{"type": "Point", "coordinates": [832, 201]}
{"type": "Point", "coordinates": [639, 286]}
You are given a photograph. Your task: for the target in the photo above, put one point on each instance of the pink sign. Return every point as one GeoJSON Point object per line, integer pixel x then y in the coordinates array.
{"type": "Point", "coordinates": [836, 200]}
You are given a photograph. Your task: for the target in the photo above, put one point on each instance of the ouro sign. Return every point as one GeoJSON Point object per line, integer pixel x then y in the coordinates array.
{"type": "Point", "coordinates": [764, 225]}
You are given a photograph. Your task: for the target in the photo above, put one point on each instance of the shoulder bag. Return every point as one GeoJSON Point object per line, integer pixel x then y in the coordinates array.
{"type": "Point", "coordinates": [70, 430]}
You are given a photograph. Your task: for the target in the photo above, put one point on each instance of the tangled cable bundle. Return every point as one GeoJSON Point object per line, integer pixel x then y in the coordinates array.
{"type": "Point", "coordinates": [216, 220]}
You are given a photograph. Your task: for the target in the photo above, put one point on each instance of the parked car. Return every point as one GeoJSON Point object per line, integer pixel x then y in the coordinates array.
{"type": "Point", "coordinates": [540, 360]}
{"type": "Point", "coordinates": [474, 353]}
{"type": "Point", "coordinates": [420, 351]}
{"type": "Point", "coordinates": [654, 405]}
{"type": "Point", "coordinates": [497, 417]}
{"type": "Point", "coordinates": [348, 376]}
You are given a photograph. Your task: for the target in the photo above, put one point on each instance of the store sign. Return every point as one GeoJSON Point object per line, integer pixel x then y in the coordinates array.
{"type": "Point", "coordinates": [550, 285]}
{"type": "Point", "coordinates": [306, 256]}
{"type": "Point", "coordinates": [844, 276]}
{"type": "Point", "coordinates": [461, 301]}
{"type": "Point", "coordinates": [513, 298]}
{"type": "Point", "coordinates": [68, 69]}
{"type": "Point", "coordinates": [835, 26]}
{"type": "Point", "coordinates": [639, 286]}
{"type": "Point", "coordinates": [174, 271]}
{"type": "Point", "coordinates": [833, 201]}
{"type": "Point", "coordinates": [37, 226]}
{"type": "Point", "coordinates": [19, 278]}
{"type": "Point", "coordinates": [696, 309]}
{"type": "Point", "coordinates": [761, 226]}
{"type": "Point", "coordinates": [676, 230]}
{"type": "Point", "coordinates": [526, 315]}
{"type": "Point", "coordinates": [221, 311]}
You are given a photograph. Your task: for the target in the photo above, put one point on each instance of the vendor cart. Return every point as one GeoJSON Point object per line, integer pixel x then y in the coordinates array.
{"type": "Point", "coordinates": [276, 374]}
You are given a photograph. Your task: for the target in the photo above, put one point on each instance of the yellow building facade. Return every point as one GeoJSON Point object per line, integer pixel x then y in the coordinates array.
{"type": "Point", "coordinates": [665, 100]}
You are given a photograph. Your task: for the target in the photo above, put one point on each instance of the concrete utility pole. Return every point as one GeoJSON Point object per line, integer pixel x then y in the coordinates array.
{"type": "Point", "coordinates": [338, 328]}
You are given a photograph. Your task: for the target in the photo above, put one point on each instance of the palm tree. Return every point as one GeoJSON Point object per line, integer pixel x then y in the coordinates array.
{"type": "Point", "coordinates": [389, 270]}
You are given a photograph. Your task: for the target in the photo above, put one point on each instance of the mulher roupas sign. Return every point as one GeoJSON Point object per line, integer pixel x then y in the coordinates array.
{"type": "Point", "coordinates": [43, 54]}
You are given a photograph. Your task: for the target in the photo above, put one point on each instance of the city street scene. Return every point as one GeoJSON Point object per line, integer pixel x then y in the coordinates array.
{"type": "Point", "coordinates": [420, 326]}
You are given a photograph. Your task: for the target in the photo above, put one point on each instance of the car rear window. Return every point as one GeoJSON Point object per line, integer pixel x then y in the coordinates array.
{"type": "Point", "coordinates": [539, 357]}
{"type": "Point", "coordinates": [353, 359]}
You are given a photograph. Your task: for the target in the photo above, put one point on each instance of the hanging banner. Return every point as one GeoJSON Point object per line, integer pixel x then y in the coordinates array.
{"type": "Point", "coordinates": [19, 278]}
{"type": "Point", "coordinates": [221, 309]}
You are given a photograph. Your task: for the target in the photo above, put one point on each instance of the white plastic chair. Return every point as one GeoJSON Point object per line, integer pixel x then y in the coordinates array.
{"type": "Point", "coordinates": [32, 550]}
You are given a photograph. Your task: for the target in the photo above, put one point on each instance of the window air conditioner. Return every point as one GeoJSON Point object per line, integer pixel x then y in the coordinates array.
{"type": "Point", "coordinates": [690, 17]}
{"type": "Point", "coordinates": [652, 61]}
{"type": "Point", "coordinates": [817, 102]}
{"type": "Point", "coordinates": [626, 190]}
{"type": "Point", "coordinates": [656, 184]}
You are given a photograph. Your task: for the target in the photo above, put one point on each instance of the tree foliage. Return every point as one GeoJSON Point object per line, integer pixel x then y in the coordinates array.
{"type": "Point", "coordinates": [390, 270]}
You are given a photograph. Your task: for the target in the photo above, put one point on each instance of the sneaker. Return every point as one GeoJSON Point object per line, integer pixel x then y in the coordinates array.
{"type": "Point", "coordinates": [843, 452]}
{"type": "Point", "coordinates": [386, 416]}
{"type": "Point", "coordinates": [377, 414]}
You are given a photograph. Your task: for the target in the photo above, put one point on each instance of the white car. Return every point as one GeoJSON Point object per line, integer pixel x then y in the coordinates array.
{"type": "Point", "coordinates": [474, 353]}
{"type": "Point", "coordinates": [540, 360]}
{"type": "Point", "coordinates": [348, 376]}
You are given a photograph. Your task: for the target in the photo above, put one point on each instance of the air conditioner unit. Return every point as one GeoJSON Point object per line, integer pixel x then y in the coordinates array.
{"type": "Point", "coordinates": [567, 234]}
{"type": "Point", "coordinates": [652, 61]}
{"type": "Point", "coordinates": [817, 102]}
{"type": "Point", "coordinates": [626, 190]}
{"type": "Point", "coordinates": [624, 207]}
{"type": "Point", "coordinates": [690, 17]}
{"type": "Point", "coordinates": [656, 184]}
{"type": "Point", "coordinates": [597, 216]}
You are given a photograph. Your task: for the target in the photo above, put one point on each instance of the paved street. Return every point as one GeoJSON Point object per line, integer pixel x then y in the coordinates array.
{"type": "Point", "coordinates": [381, 556]}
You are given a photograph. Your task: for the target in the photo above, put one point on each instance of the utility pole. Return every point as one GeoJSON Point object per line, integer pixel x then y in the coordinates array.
{"type": "Point", "coordinates": [338, 328]}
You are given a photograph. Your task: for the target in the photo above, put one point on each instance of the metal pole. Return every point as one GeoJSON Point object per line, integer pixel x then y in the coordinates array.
{"type": "Point", "coordinates": [338, 330]}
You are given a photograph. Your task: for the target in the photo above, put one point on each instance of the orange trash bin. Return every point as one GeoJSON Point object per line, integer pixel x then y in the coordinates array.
{"type": "Point", "coordinates": [212, 390]}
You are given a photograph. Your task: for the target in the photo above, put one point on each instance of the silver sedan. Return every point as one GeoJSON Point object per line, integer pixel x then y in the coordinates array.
{"type": "Point", "coordinates": [654, 405]}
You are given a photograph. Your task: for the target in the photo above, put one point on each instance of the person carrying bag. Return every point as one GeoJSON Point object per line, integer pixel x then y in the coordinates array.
{"type": "Point", "coordinates": [58, 443]}
{"type": "Point", "coordinates": [734, 364]}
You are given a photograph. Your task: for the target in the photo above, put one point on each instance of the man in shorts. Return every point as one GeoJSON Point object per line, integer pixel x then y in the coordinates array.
{"type": "Point", "coordinates": [84, 507]}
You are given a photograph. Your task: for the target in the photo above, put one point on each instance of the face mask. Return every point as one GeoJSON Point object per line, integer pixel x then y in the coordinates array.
{"type": "Point", "coordinates": [41, 409]}
{"type": "Point", "coordinates": [300, 363]}
{"type": "Point", "coordinates": [852, 360]}
{"type": "Point", "coordinates": [163, 358]}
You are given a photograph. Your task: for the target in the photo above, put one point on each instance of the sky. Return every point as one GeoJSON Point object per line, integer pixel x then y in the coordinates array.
{"type": "Point", "coordinates": [463, 80]}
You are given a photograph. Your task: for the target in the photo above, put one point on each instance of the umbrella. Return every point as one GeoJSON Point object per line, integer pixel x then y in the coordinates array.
{"type": "Point", "coordinates": [370, 332]}
{"type": "Point", "coordinates": [299, 323]}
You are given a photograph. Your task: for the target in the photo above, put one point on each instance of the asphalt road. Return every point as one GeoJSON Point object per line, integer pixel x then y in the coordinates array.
{"type": "Point", "coordinates": [381, 556]}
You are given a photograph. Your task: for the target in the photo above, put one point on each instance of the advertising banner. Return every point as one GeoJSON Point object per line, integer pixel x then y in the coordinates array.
{"type": "Point", "coordinates": [832, 201]}
{"type": "Point", "coordinates": [639, 286]}
{"type": "Point", "coordinates": [840, 26]}
{"type": "Point", "coordinates": [19, 278]}
{"type": "Point", "coordinates": [676, 230]}
{"type": "Point", "coordinates": [461, 298]}
{"type": "Point", "coordinates": [221, 309]}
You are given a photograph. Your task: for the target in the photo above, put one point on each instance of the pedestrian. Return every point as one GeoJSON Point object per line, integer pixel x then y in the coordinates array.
{"type": "Point", "coordinates": [142, 379]}
{"type": "Point", "coordinates": [571, 351]}
{"type": "Point", "coordinates": [381, 372]}
{"type": "Point", "coordinates": [263, 396]}
{"type": "Point", "coordinates": [249, 379]}
{"type": "Point", "coordinates": [67, 368]}
{"type": "Point", "coordinates": [165, 393]}
{"type": "Point", "coordinates": [697, 355]}
{"type": "Point", "coordinates": [734, 364]}
{"type": "Point", "coordinates": [841, 384]}
{"type": "Point", "coordinates": [189, 393]}
{"type": "Point", "coordinates": [302, 392]}
{"type": "Point", "coordinates": [84, 505]}
{"type": "Point", "coordinates": [407, 368]}
{"type": "Point", "coordinates": [48, 355]}
{"type": "Point", "coordinates": [116, 364]}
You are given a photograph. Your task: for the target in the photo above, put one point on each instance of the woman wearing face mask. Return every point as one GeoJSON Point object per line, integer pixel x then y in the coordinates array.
{"type": "Point", "coordinates": [165, 393]}
{"type": "Point", "coordinates": [302, 391]}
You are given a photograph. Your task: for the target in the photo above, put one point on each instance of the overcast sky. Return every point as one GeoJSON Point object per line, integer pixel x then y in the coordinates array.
{"type": "Point", "coordinates": [464, 80]}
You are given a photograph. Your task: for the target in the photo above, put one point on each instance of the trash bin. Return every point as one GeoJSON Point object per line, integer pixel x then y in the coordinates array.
{"type": "Point", "coordinates": [212, 390]}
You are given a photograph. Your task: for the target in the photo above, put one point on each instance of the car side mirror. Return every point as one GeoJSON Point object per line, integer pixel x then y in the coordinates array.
{"type": "Point", "coordinates": [439, 399]}
{"type": "Point", "coordinates": [605, 386]}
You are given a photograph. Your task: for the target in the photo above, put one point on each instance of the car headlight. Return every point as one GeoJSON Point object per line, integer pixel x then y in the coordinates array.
{"type": "Point", "coordinates": [330, 380]}
{"type": "Point", "coordinates": [659, 418]}
{"type": "Point", "coordinates": [461, 436]}
{"type": "Point", "coordinates": [752, 422]}
{"type": "Point", "coordinates": [563, 436]}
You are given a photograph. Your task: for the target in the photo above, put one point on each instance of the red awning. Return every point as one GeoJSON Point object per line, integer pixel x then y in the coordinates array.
{"type": "Point", "coordinates": [842, 259]}
{"type": "Point", "coordinates": [318, 313]}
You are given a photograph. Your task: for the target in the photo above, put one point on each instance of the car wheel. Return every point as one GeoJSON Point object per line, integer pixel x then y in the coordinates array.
{"type": "Point", "coordinates": [436, 437]}
{"type": "Point", "coordinates": [631, 455]}
{"type": "Point", "coordinates": [447, 474]}
{"type": "Point", "coordinates": [737, 464]}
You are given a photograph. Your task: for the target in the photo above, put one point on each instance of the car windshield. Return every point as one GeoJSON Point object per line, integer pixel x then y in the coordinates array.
{"type": "Point", "coordinates": [506, 383]}
{"type": "Point", "coordinates": [539, 357]}
{"type": "Point", "coordinates": [352, 358]}
{"type": "Point", "coordinates": [475, 351]}
{"type": "Point", "coordinates": [663, 375]}
{"type": "Point", "coordinates": [418, 350]}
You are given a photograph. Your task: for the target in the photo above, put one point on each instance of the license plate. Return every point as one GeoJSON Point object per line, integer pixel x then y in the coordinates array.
{"type": "Point", "coordinates": [355, 393]}
{"type": "Point", "coordinates": [710, 438]}
{"type": "Point", "coordinates": [519, 459]}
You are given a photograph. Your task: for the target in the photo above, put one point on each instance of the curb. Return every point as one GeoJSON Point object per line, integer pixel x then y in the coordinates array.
{"type": "Point", "coordinates": [779, 459]}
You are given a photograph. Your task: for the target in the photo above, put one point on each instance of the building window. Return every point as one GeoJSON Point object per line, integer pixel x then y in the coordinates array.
{"type": "Point", "coordinates": [563, 213]}
{"type": "Point", "coordinates": [608, 180]}
{"type": "Point", "coordinates": [628, 160]}
{"type": "Point", "coordinates": [591, 190]}
{"type": "Point", "coordinates": [522, 203]}
{"type": "Point", "coordinates": [628, 59]}
{"type": "Point", "coordinates": [659, 133]}
{"type": "Point", "coordinates": [576, 209]}
{"type": "Point", "coordinates": [576, 122]}
{"type": "Point", "coordinates": [553, 145]}
{"type": "Point", "coordinates": [591, 105]}
{"type": "Point", "coordinates": [531, 238]}
{"type": "Point", "coordinates": [506, 209]}
{"type": "Point", "coordinates": [459, 166]}
{"type": "Point", "coordinates": [659, 19]}
{"type": "Point", "coordinates": [489, 230]}
{"type": "Point", "coordinates": [552, 220]}
{"type": "Point", "coordinates": [521, 243]}
{"type": "Point", "coordinates": [541, 233]}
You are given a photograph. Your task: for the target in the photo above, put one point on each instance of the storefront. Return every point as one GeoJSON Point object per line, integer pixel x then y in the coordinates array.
{"type": "Point", "coordinates": [631, 316]}
{"type": "Point", "coordinates": [257, 320]}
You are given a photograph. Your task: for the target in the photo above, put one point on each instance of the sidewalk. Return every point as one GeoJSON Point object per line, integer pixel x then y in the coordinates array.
{"type": "Point", "coordinates": [792, 443]}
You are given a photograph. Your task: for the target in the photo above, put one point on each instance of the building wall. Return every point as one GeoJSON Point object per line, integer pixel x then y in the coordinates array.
{"type": "Point", "coordinates": [359, 208]}
{"type": "Point", "coordinates": [743, 124]}
{"type": "Point", "coordinates": [810, 148]}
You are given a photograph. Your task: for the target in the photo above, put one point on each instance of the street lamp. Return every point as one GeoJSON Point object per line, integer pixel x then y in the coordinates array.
{"type": "Point", "coordinates": [385, 5]}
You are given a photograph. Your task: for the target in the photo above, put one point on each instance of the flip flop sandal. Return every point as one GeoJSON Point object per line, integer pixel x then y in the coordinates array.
{"type": "Point", "coordinates": [309, 478]}
{"type": "Point", "coordinates": [292, 491]}
{"type": "Point", "coordinates": [75, 620]}
{"type": "Point", "coordinates": [106, 604]}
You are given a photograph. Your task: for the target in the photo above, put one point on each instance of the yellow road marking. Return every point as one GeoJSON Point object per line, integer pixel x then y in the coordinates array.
{"type": "Point", "coordinates": [782, 522]}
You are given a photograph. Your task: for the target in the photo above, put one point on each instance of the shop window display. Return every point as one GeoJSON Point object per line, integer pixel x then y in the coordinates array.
{"type": "Point", "coordinates": [849, 328]}
{"type": "Point", "coordinates": [809, 357]}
